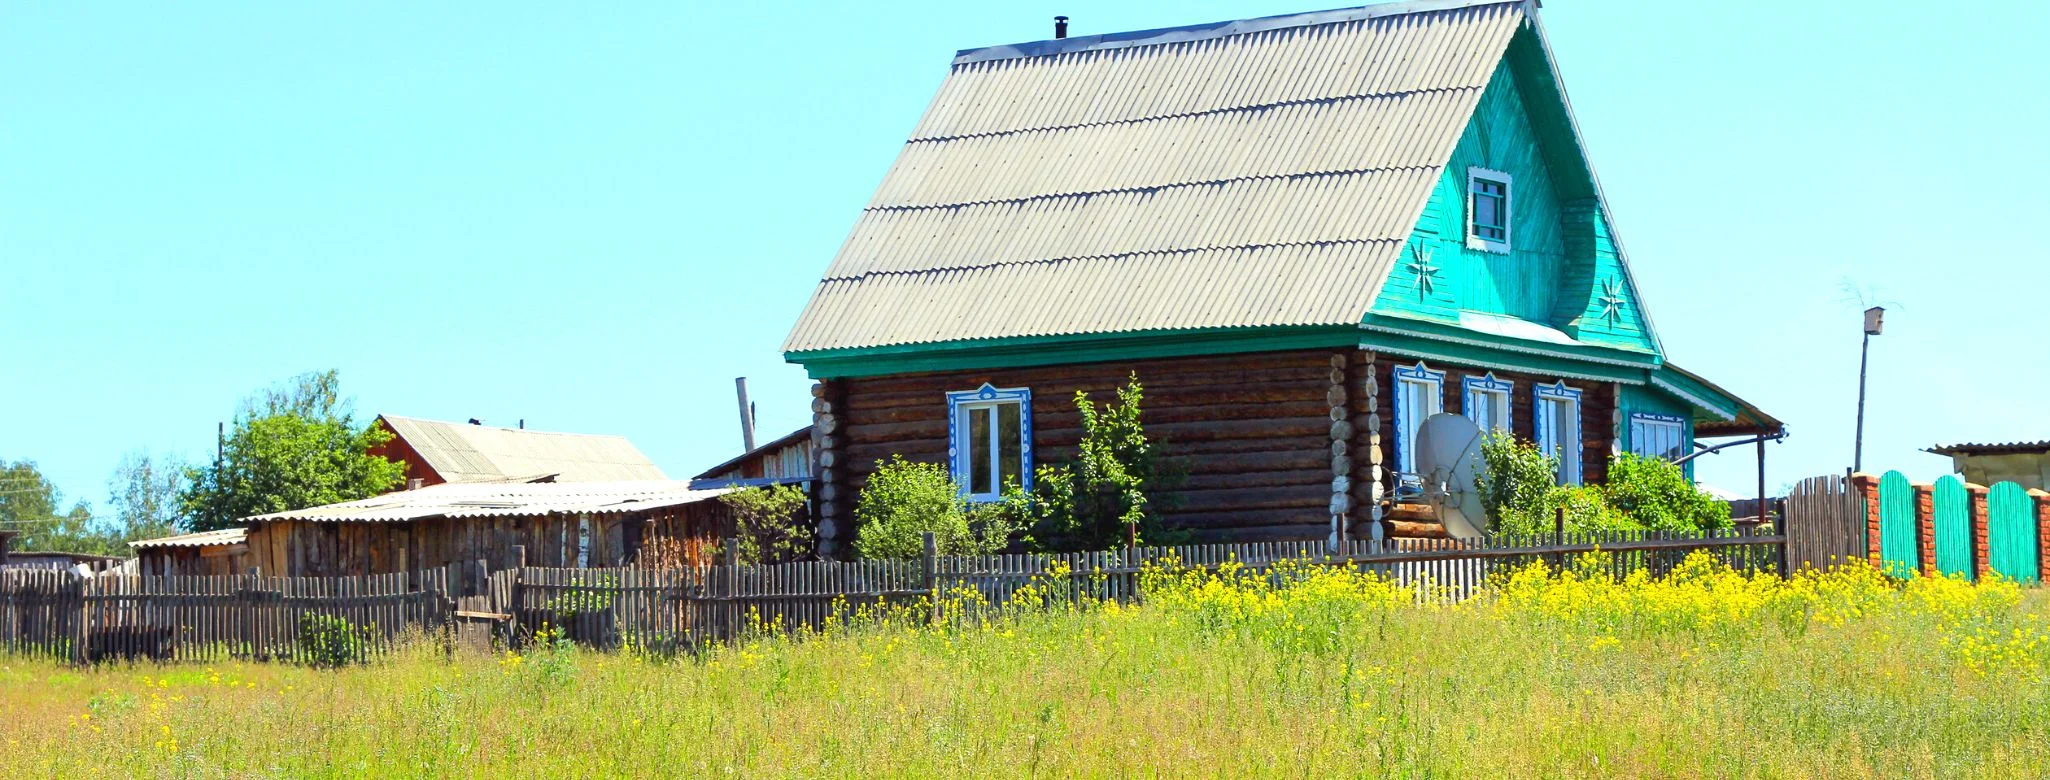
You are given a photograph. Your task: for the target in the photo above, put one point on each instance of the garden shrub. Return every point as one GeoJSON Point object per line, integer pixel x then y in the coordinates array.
{"type": "Point", "coordinates": [905, 499]}
{"type": "Point", "coordinates": [1515, 481]}
{"type": "Point", "coordinates": [766, 528]}
{"type": "Point", "coordinates": [1112, 490]}
{"type": "Point", "coordinates": [1642, 494]}
{"type": "Point", "coordinates": [331, 641]}
{"type": "Point", "coordinates": [1657, 495]}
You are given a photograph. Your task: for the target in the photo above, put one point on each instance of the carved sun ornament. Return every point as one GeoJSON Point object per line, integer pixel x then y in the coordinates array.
{"type": "Point", "coordinates": [1420, 264]}
{"type": "Point", "coordinates": [1612, 300]}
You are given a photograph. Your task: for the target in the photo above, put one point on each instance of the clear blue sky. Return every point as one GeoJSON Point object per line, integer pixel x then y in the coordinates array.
{"type": "Point", "coordinates": [593, 217]}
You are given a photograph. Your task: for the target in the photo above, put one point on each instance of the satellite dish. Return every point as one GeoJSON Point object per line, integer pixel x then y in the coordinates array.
{"type": "Point", "coordinates": [1448, 455]}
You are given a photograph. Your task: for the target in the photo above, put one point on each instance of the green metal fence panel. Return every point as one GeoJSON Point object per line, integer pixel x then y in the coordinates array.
{"type": "Point", "coordinates": [1897, 525]}
{"type": "Point", "coordinates": [1953, 517]}
{"type": "Point", "coordinates": [2011, 532]}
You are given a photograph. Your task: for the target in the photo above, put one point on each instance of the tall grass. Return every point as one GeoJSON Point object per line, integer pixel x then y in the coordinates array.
{"type": "Point", "coordinates": [1310, 673]}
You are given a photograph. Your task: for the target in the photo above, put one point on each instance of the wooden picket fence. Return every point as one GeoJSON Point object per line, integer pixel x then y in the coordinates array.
{"type": "Point", "coordinates": [682, 610]}
{"type": "Point", "coordinates": [202, 618]}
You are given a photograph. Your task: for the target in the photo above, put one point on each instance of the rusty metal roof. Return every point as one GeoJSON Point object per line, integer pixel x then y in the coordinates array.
{"type": "Point", "coordinates": [460, 452]}
{"type": "Point", "coordinates": [2001, 448]}
{"type": "Point", "coordinates": [454, 500]}
{"type": "Point", "coordinates": [1246, 174]}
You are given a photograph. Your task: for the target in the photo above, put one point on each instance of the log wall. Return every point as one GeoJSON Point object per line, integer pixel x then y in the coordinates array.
{"type": "Point", "coordinates": [1597, 408]}
{"type": "Point", "coordinates": [1252, 432]}
{"type": "Point", "coordinates": [1276, 446]}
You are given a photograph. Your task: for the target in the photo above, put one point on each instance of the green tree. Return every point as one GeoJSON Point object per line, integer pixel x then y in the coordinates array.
{"type": "Point", "coordinates": [1515, 480]}
{"type": "Point", "coordinates": [292, 446]}
{"type": "Point", "coordinates": [31, 506]}
{"type": "Point", "coordinates": [905, 499]}
{"type": "Point", "coordinates": [1112, 490]}
{"type": "Point", "coordinates": [766, 525]}
{"type": "Point", "coordinates": [144, 495]}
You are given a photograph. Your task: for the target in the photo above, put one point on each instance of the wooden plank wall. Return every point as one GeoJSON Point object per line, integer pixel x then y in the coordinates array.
{"type": "Point", "coordinates": [1252, 432]}
{"type": "Point", "coordinates": [1597, 408]}
{"type": "Point", "coordinates": [327, 549]}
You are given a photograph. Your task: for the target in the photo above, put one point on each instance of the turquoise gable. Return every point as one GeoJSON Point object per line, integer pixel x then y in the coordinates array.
{"type": "Point", "coordinates": [1562, 271]}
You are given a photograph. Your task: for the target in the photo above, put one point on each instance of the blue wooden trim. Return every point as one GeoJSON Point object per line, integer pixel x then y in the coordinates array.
{"type": "Point", "coordinates": [957, 455]}
{"type": "Point", "coordinates": [1473, 386]}
{"type": "Point", "coordinates": [1569, 457]}
{"type": "Point", "coordinates": [1404, 459]}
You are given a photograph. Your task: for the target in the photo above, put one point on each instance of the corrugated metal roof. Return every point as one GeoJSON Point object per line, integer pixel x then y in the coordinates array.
{"type": "Point", "coordinates": [453, 500]}
{"type": "Point", "coordinates": [1256, 173]}
{"type": "Point", "coordinates": [221, 537]}
{"type": "Point", "coordinates": [1999, 448]}
{"type": "Point", "coordinates": [461, 452]}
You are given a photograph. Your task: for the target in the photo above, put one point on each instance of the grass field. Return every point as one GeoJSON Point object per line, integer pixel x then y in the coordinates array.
{"type": "Point", "coordinates": [1707, 673]}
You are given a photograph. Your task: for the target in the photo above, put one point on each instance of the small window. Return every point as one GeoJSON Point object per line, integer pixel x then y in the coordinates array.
{"type": "Point", "coordinates": [1487, 402]}
{"type": "Point", "coordinates": [1487, 222]}
{"type": "Point", "coordinates": [1558, 428]}
{"type": "Point", "coordinates": [1419, 393]}
{"type": "Point", "coordinates": [1658, 436]}
{"type": "Point", "coordinates": [989, 433]}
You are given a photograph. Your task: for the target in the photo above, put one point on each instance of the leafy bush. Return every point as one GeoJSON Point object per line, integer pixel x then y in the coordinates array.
{"type": "Point", "coordinates": [1642, 493]}
{"type": "Point", "coordinates": [1515, 481]}
{"type": "Point", "coordinates": [766, 526]}
{"type": "Point", "coordinates": [1112, 489]}
{"type": "Point", "coordinates": [581, 601]}
{"type": "Point", "coordinates": [1657, 495]}
{"type": "Point", "coordinates": [331, 641]}
{"type": "Point", "coordinates": [904, 499]}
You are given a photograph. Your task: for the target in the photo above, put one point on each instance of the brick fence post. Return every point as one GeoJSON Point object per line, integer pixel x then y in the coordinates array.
{"type": "Point", "coordinates": [1925, 528]}
{"type": "Point", "coordinates": [1867, 487]}
{"type": "Point", "coordinates": [1981, 548]}
{"type": "Point", "coordinates": [2042, 534]}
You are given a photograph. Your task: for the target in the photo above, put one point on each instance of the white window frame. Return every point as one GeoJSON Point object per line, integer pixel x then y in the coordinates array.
{"type": "Point", "coordinates": [1475, 389]}
{"type": "Point", "coordinates": [1643, 423]}
{"type": "Point", "coordinates": [959, 404]}
{"type": "Point", "coordinates": [1474, 240]}
{"type": "Point", "coordinates": [1547, 401]}
{"type": "Point", "coordinates": [1414, 379]}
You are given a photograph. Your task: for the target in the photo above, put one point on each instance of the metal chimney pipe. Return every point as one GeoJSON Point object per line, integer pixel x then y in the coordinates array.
{"type": "Point", "coordinates": [1060, 27]}
{"type": "Point", "coordinates": [747, 416]}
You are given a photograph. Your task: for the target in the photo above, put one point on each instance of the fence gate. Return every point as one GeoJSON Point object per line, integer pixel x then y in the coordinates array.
{"type": "Point", "coordinates": [1825, 523]}
{"type": "Point", "coordinates": [1953, 519]}
{"type": "Point", "coordinates": [1897, 525]}
{"type": "Point", "coordinates": [2011, 532]}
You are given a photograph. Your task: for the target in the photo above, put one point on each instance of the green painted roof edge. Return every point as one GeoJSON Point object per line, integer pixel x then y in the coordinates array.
{"type": "Point", "coordinates": [1022, 351]}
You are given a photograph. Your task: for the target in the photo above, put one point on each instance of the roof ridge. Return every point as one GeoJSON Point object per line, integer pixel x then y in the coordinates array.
{"type": "Point", "coordinates": [1151, 188]}
{"type": "Point", "coordinates": [1110, 256]}
{"type": "Point", "coordinates": [1331, 99]}
{"type": "Point", "coordinates": [1213, 30]}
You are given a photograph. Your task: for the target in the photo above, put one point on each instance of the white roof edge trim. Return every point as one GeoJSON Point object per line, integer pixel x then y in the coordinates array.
{"type": "Point", "coordinates": [1692, 399]}
{"type": "Point", "coordinates": [1210, 30]}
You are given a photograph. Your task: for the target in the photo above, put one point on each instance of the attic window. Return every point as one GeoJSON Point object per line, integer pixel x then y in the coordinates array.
{"type": "Point", "coordinates": [1487, 221]}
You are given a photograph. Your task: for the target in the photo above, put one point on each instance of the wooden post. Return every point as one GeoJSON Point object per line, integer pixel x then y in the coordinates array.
{"type": "Point", "coordinates": [931, 570]}
{"type": "Point", "coordinates": [519, 556]}
{"type": "Point", "coordinates": [732, 610]}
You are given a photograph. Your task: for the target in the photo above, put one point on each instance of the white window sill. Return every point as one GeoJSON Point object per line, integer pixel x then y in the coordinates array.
{"type": "Point", "coordinates": [1484, 245]}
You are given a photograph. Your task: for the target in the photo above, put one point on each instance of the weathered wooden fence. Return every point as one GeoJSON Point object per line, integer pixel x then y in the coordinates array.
{"type": "Point", "coordinates": [1825, 523]}
{"type": "Point", "coordinates": [207, 618]}
{"type": "Point", "coordinates": [679, 610]}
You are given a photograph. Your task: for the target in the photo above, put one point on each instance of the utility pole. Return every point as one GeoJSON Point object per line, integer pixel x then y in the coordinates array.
{"type": "Point", "coordinates": [1874, 319]}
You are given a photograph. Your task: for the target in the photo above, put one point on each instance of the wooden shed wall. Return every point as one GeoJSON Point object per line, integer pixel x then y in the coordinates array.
{"type": "Point", "coordinates": [324, 549]}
